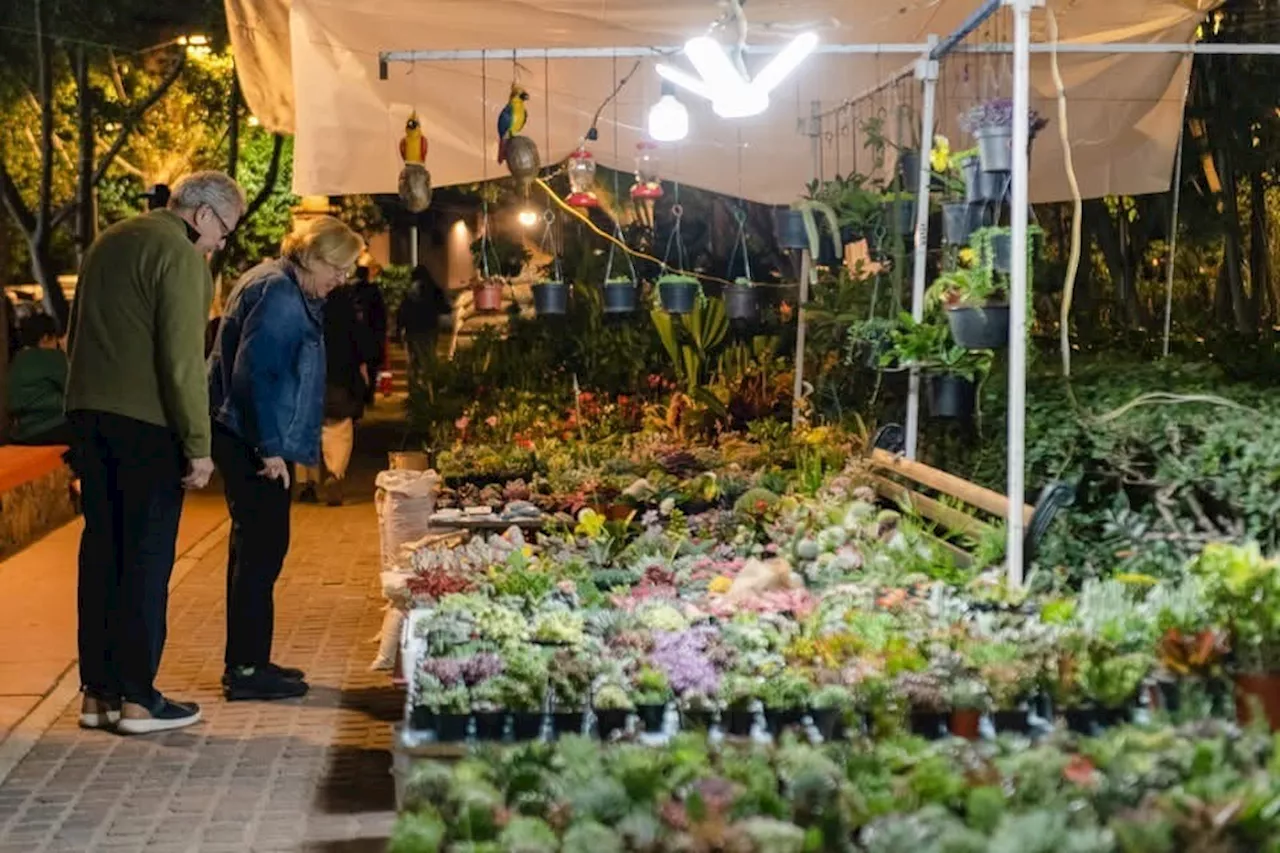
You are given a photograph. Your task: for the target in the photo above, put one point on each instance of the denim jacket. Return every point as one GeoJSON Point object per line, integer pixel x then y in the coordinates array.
{"type": "Point", "coordinates": [266, 372]}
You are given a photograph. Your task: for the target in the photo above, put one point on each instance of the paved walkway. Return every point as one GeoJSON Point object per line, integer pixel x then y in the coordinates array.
{"type": "Point", "coordinates": [310, 774]}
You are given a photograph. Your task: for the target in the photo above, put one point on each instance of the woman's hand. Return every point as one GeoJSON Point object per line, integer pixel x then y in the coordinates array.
{"type": "Point", "coordinates": [275, 468]}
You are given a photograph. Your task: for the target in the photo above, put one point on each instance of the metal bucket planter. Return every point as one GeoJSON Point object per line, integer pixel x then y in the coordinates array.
{"type": "Point", "coordinates": [678, 297]}
{"type": "Point", "coordinates": [980, 328]}
{"type": "Point", "coordinates": [950, 397]}
{"type": "Point", "coordinates": [909, 169]}
{"type": "Point", "coordinates": [487, 295]}
{"type": "Point", "coordinates": [551, 298]}
{"type": "Point", "coordinates": [995, 148]}
{"type": "Point", "coordinates": [741, 302]}
{"type": "Point", "coordinates": [899, 216]}
{"type": "Point", "coordinates": [993, 186]}
{"type": "Point", "coordinates": [619, 297]}
{"type": "Point", "coordinates": [958, 222]}
{"type": "Point", "coordinates": [1002, 252]}
{"type": "Point", "coordinates": [791, 231]}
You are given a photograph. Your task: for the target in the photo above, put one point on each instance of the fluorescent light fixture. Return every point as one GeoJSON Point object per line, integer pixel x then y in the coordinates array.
{"type": "Point", "coordinates": [730, 94]}
{"type": "Point", "coordinates": [740, 102]}
{"type": "Point", "coordinates": [668, 118]}
{"type": "Point", "coordinates": [711, 63]}
{"type": "Point", "coordinates": [685, 81]}
{"type": "Point", "coordinates": [785, 62]}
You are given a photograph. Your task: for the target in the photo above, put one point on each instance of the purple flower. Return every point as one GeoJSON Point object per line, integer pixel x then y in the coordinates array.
{"type": "Point", "coordinates": [681, 656]}
{"type": "Point", "coordinates": [448, 671]}
{"type": "Point", "coordinates": [481, 667]}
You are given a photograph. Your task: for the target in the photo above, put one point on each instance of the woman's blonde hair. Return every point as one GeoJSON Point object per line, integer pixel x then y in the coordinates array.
{"type": "Point", "coordinates": [324, 239]}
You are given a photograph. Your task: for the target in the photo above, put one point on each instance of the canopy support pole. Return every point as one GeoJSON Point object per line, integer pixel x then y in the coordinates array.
{"type": "Point", "coordinates": [1018, 206]}
{"type": "Point", "coordinates": [927, 72]}
{"type": "Point", "coordinates": [1173, 237]}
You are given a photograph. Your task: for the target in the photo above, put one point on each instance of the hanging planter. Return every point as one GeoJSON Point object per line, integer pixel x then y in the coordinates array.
{"type": "Point", "coordinates": [899, 214]}
{"type": "Point", "coordinates": [950, 396]}
{"type": "Point", "coordinates": [678, 293]}
{"type": "Point", "coordinates": [487, 294]}
{"type": "Point", "coordinates": [995, 148]}
{"type": "Point", "coordinates": [991, 124]}
{"type": "Point", "coordinates": [791, 230]}
{"type": "Point", "coordinates": [983, 328]}
{"type": "Point", "coordinates": [909, 169]}
{"type": "Point", "coordinates": [958, 221]}
{"type": "Point", "coordinates": [741, 301]}
{"type": "Point", "coordinates": [1002, 252]}
{"type": "Point", "coordinates": [620, 296]}
{"type": "Point", "coordinates": [551, 298]}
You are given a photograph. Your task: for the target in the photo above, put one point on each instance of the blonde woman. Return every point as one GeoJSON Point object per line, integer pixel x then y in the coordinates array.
{"type": "Point", "coordinates": [266, 392]}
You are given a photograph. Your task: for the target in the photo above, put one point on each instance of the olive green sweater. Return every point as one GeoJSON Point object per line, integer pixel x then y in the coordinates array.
{"type": "Point", "coordinates": [136, 338]}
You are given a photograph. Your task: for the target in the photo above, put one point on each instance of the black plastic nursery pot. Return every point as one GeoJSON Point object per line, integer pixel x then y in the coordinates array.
{"type": "Point", "coordinates": [737, 723]}
{"type": "Point", "coordinates": [678, 297]}
{"type": "Point", "coordinates": [959, 221]}
{"type": "Point", "coordinates": [1090, 721]}
{"type": "Point", "coordinates": [741, 302]}
{"type": "Point", "coordinates": [909, 169]}
{"type": "Point", "coordinates": [490, 725]}
{"type": "Point", "coordinates": [551, 298]}
{"type": "Point", "coordinates": [932, 725]}
{"type": "Point", "coordinates": [451, 728]}
{"type": "Point", "coordinates": [778, 720]}
{"type": "Point", "coordinates": [652, 717]}
{"type": "Point", "coordinates": [791, 231]}
{"type": "Point", "coordinates": [697, 721]}
{"type": "Point", "coordinates": [900, 216]}
{"type": "Point", "coordinates": [610, 721]}
{"type": "Point", "coordinates": [995, 148]}
{"type": "Point", "coordinates": [950, 396]}
{"type": "Point", "coordinates": [1012, 722]}
{"type": "Point", "coordinates": [566, 723]}
{"type": "Point", "coordinates": [526, 725]}
{"type": "Point", "coordinates": [984, 328]}
{"type": "Point", "coordinates": [829, 722]}
{"type": "Point", "coordinates": [619, 297]}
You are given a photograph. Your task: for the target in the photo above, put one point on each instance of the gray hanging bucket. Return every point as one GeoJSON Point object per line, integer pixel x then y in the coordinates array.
{"type": "Point", "coordinates": [791, 231]}
{"type": "Point", "coordinates": [551, 298]}
{"type": "Point", "coordinates": [995, 148]}
{"type": "Point", "coordinates": [1002, 252]}
{"type": "Point", "coordinates": [678, 297]}
{"type": "Point", "coordinates": [619, 297]}
{"type": "Point", "coordinates": [985, 328]}
{"type": "Point", "coordinates": [741, 302]}
{"type": "Point", "coordinates": [958, 221]}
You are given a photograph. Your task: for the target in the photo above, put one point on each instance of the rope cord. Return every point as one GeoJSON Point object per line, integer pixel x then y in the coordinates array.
{"type": "Point", "coordinates": [1073, 261]}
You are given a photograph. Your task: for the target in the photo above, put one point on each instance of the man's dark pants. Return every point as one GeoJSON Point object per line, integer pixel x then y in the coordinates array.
{"type": "Point", "coordinates": [131, 487]}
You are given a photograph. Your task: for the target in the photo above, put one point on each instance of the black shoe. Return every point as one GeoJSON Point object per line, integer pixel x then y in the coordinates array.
{"type": "Point", "coordinates": [333, 492]}
{"type": "Point", "coordinates": [262, 683]}
{"type": "Point", "coordinates": [166, 715]}
{"type": "Point", "coordinates": [288, 673]}
{"type": "Point", "coordinates": [308, 495]}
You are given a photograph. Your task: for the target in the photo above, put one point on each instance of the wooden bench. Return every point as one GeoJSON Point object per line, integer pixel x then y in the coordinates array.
{"type": "Point", "coordinates": [934, 494]}
{"type": "Point", "coordinates": [35, 494]}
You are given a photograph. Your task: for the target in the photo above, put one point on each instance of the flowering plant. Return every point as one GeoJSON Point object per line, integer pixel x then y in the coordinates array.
{"type": "Point", "coordinates": [995, 113]}
{"type": "Point", "coordinates": [681, 656]}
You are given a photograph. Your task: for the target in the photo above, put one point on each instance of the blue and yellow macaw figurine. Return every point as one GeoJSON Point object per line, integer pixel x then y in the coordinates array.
{"type": "Point", "coordinates": [512, 118]}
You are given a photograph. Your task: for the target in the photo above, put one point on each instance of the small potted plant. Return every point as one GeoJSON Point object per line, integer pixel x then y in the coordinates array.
{"type": "Point", "coordinates": [741, 301]}
{"type": "Point", "coordinates": [993, 247]}
{"type": "Point", "coordinates": [786, 698]}
{"type": "Point", "coordinates": [959, 214]}
{"type": "Point", "coordinates": [830, 706]}
{"type": "Point", "coordinates": [926, 699]}
{"type": "Point", "coordinates": [551, 298]}
{"type": "Point", "coordinates": [977, 307]}
{"type": "Point", "coordinates": [487, 710]}
{"type": "Point", "coordinates": [450, 709]}
{"type": "Point", "coordinates": [873, 339]}
{"type": "Point", "coordinates": [678, 293]}
{"type": "Point", "coordinates": [1009, 678]}
{"type": "Point", "coordinates": [991, 124]}
{"type": "Point", "coordinates": [523, 688]}
{"type": "Point", "coordinates": [651, 691]}
{"type": "Point", "coordinates": [620, 295]}
{"type": "Point", "coordinates": [697, 711]}
{"type": "Point", "coordinates": [968, 699]}
{"type": "Point", "coordinates": [570, 680]}
{"type": "Point", "coordinates": [1105, 687]}
{"type": "Point", "coordinates": [487, 293]}
{"type": "Point", "coordinates": [953, 382]}
{"type": "Point", "coordinates": [738, 696]}
{"type": "Point", "coordinates": [612, 706]}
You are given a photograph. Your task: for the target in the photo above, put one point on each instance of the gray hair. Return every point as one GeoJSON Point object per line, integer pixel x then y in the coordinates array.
{"type": "Point", "coordinates": [215, 189]}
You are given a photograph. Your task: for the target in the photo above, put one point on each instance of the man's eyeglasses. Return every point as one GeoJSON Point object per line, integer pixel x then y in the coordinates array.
{"type": "Point", "coordinates": [226, 229]}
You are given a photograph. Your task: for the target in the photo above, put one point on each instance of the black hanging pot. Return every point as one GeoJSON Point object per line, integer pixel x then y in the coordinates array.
{"type": "Point", "coordinates": [526, 725]}
{"type": "Point", "coordinates": [980, 328]}
{"type": "Point", "coordinates": [619, 297]}
{"type": "Point", "coordinates": [678, 297]}
{"type": "Point", "coordinates": [1002, 252]}
{"type": "Point", "coordinates": [741, 302]}
{"type": "Point", "coordinates": [995, 147]}
{"type": "Point", "coordinates": [737, 723]}
{"type": "Point", "coordinates": [791, 231]}
{"type": "Point", "coordinates": [900, 216]}
{"type": "Point", "coordinates": [652, 717]}
{"type": "Point", "coordinates": [950, 397]}
{"type": "Point", "coordinates": [909, 169]}
{"type": "Point", "coordinates": [490, 725]}
{"type": "Point", "coordinates": [551, 298]}
{"type": "Point", "coordinates": [451, 728]}
{"type": "Point", "coordinates": [958, 222]}
{"type": "Point", "coordinates": [610, 721]}
{"type": "Point", "coordinates": [566, 723]}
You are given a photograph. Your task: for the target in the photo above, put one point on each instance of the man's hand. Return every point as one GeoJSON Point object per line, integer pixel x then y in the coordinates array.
{"type": "Point", "coordinates": [198, 473]}
{"type": "Point", "coordinates": [275, 468]}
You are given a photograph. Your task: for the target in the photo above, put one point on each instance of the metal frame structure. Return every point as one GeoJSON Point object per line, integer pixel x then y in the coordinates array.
{"type": "Point", "coordinates": [927, 72]}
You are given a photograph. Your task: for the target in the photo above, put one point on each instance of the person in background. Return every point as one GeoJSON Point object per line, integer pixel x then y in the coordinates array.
{"type": "Point", "coordinates": [349, 349]}
{"type": "Point", "coordinates": [138, 406]}
{"type": "Point", "coordinates": [266, 392]}
{"type": "Point", "coordinates": [157, 197]}
{"type": "Point", "coordinates": [38, 386]}
{"type": "Point", "coordinates": [418, 319]}
{"type": "Point", "coordinates": [372, 310]}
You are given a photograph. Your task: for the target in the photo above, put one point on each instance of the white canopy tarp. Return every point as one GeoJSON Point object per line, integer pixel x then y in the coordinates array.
{"type": "Point", "coordinates": [311, 67]}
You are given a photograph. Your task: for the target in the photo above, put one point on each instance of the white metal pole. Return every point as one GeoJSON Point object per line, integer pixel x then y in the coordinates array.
{"type": "Point", "coordinates": [926, 71]}
{"type": "Point", "coordinates": [1018, 286]}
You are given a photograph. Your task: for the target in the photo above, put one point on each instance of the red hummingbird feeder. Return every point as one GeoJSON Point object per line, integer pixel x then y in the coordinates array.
{"type": "Point", "coordinates": [582, 179]}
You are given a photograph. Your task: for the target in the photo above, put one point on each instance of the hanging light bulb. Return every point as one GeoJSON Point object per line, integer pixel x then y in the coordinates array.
{"type": "Point", "coordinates": [787, 60]}
{"type": "Point", "coordinates": [527, 217]}
{"type": "Point", "coordinates": [731, 94]}
{"type": "Point", "coordinates": [668, 118]}
{"type": "Point", "coordinates": [740, 102]}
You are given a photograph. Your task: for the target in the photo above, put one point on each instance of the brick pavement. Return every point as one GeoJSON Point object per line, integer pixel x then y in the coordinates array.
{"type": "Point", "coordinates": [309, 774]}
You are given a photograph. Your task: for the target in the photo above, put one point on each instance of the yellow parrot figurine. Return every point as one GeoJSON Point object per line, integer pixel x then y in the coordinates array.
{"type": "Point", "coordinates": [512, 118]}
{"type": "Point", "coordinates": [413, 148]}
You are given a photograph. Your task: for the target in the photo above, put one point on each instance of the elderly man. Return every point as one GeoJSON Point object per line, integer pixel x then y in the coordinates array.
{"type": "Point", "coordinates": [138, 405]}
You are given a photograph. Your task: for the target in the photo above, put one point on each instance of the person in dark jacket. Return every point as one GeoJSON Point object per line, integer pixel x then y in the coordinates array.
{"type": "Point", "coordinates": [418, 320]}
{"type": "Point", "coordinates": [349, 350]}
{"type": "Point", "coordinates": [371, 309]}
{"type": "Point", "coordinates": [38, 386]}
{"type": "Point", "coordinates": [266, 392]}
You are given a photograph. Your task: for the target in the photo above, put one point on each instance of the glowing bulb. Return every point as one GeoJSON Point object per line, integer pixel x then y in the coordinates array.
{"type": "Point", "coordinates": [740, 102]}
{"type": "Point", "coordinates": [668, 118]}
{"type": "Point", "coordinates": [787, 60]}
{"type": "Point", "coordinates": [527, 217]}
{"type": "Point", "coordinates": [711, 63]}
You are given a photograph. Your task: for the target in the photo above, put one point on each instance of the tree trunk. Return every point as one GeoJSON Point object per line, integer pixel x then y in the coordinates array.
{"type": "Point", "coordinates": [1259, 249]}
{"type": "Point", "coordinates": [55, 302]}
{"type": "Point", "coordinates": [86, 209]}
{"type": "Point", "coordinates": [1100, 222]}
{"type": "Point", "coordinates": [1232, 245]}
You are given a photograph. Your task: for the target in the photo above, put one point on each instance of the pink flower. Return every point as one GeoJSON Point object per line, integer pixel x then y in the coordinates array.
{"type": "Point", "coordinates": [491, 421]}
{"type": "Point", "coordinates": [462, 422]}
